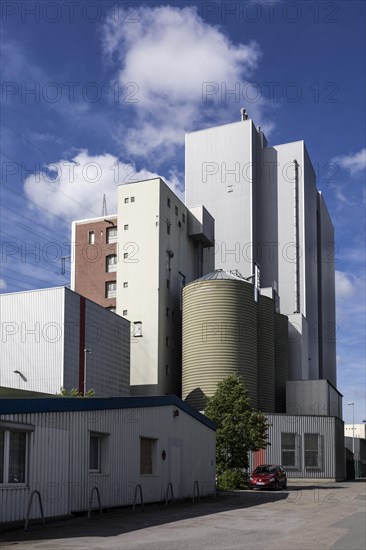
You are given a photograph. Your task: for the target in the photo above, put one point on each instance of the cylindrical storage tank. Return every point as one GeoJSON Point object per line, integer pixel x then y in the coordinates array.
{"type": "Point", "coordinates": [219, 336]}
{"type": "Point", "coordinates": [265, 355]}
{"type": "Point", "coordinates": [281, 361]}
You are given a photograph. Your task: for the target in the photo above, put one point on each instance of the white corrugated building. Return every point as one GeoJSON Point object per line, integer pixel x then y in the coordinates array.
{"type": "Point", "coordinates": [63, 447]}
{"type": "Point", "coordinates": [44, 335]}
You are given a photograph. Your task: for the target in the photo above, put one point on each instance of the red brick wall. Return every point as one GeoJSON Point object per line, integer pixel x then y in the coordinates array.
{"type": "Point", "coordinates": [90, 262]}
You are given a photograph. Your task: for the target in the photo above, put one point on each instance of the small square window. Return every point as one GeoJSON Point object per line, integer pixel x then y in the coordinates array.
{"type": "Point", "coordinates": [124, 312]}
{"type": "Point", "coordinates": [125, 255]}
{"type": "Point", "coordinates": [132, 199]}
{"type": "Point", "coordinates": [176, 210]}
{"type": "Point", "coordinates": [125, 227]}
{"type": "Point", "coordinates": [183, 218]}
{"type": "Point", "coordinates": [91, 237]}
{"type": "Point", "coordinates": [127, 200]}
{"type": "Point", "coordinates": [125, 284]}
{"type": "Point", "coordinates": [168, 202]}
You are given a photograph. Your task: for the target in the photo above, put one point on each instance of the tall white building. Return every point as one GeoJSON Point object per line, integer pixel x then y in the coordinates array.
{"type": "Point", "coordinates": [268, 212]}
{"type": "Point", "coordinates": [161, 245]}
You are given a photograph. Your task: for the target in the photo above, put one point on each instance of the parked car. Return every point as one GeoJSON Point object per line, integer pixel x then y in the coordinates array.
{"type": "Point", "coordinates": [268, 476]}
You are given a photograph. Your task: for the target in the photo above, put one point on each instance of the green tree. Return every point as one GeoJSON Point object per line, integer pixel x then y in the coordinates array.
{"type": "Point", "coordinates": [240, 429]}
{"type": "Point", "coordinates": [74, 392]}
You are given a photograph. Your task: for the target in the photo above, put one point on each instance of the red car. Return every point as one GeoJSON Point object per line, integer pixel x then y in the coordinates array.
{"type": "Point", "coordinates": [268, 476]}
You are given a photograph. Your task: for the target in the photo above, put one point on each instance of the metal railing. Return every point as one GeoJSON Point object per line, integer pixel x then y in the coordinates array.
{"type": "Point", "coordinates": [195, 484]}
{"type": "Point", "coordinates": [170, 486]}
{"type": "Point", "coordinates": [29, 509]}
{"type": "Point", "coordinates": [141, 498]}
{"type": "Point", "coordinates": [95, 488]}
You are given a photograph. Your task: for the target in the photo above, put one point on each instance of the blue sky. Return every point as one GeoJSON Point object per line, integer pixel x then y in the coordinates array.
{"type": "Point", "coordinates": [96, 93]}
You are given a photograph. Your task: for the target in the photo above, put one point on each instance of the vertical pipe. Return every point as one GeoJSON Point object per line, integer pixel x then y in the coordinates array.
{"type": "Point", "coordinates": [296, 224]}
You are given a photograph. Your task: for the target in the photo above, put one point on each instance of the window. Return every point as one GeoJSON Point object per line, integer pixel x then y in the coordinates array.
{"type": "Point", "coordinates": [94, 453]}
{"type": "Point", "coordinates": [111, 234]}
{"type": "Point", "coordinates": [168, 202]}
{"type": "Point", "coordinates": [110, 289]}
{"type": "Point", "coordinates": [183, 218]}
{"type": "Point", "coordinates": [125, 255]}
{"type": "Point", "coordinates": [132, 199]}
{"type": "Point", "coordinates": [111, 263]}
{"type": "Point", "coordinates": [13, 456]}
{"type": "Point", "coordinates": [176, 210]}
{"type": "Point", "coordinates": [125, 284]}
{"type": "Point", "coordinates": [91, 237]}
{"type": "Point", "coordinates": [168, 224]}
{"type": "Point", "coordinates": [289, 450]}
{"type": "Point", "coordinates": [124, 312]}
{"type": "Point", "coordinates": [147, 455]}
{"type": "Point", "coordinates": [167, 283]}
{"type": "Point", "coordinates": [312, 451]}
{"type": "Point", "coordinates": [127, 200]}
{"type": "Point", "coordinates": [98, 452]}
{"type": "Point", "coordinates": [125, 227]}
{"type": "Point", "coordinates": [137, 329]}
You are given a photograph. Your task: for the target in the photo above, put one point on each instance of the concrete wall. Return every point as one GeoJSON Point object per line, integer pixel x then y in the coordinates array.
{"type": "Point", "coordinates": [221, 175]}
{"type": "Point", "coordinates": [58, 453]}
{"type": "Point", "coordinates": [326, 281]}
{"type": "Point", "coordinates": [161, 259]}
{"type": "Point", "coordinates": [313, 397]}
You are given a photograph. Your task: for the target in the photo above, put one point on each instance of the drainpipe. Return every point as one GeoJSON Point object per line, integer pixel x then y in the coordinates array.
{"type": "Point", "coordinates": [296, 228]}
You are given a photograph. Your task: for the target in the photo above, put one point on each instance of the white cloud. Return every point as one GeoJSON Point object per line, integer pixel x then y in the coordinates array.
{"type": "Point", "coordinates": [169, 54]}
{"type": "Point", "coordinates": [354, 162]}
{"type": "Point", "coordinates": [74, 188]}
{"type": "Point", "coordinates": [3, 284]}
{"type": "Point", "coordinates": [344, 286]}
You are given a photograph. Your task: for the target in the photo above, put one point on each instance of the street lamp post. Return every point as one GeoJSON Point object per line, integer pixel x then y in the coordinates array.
{"type": "Point", "coordinates": [86, 351]}
{"type": "Point", "coordinates": [351, 404]}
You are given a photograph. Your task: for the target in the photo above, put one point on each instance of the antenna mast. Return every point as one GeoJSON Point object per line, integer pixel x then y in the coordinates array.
{"type": "Point", "coordinates": [104, 207]}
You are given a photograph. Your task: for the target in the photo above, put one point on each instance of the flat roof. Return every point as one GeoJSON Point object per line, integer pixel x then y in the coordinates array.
{"type": "Point", "coordinates": [67, 404]}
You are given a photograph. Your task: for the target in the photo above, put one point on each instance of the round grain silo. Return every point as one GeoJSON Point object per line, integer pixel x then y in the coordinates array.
{"type": "Point", "coordinates": [219, 336]}
{"type": "Point", "coordinates": [265, 355]}
{"type": "Point", "coordinates": [281, 361]}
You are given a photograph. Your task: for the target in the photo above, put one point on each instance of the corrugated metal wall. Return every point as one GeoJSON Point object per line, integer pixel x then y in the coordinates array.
{"type": "Point", "coordinates": [59, 458]}
{"type": "Point", "coordinates": [329, 430]}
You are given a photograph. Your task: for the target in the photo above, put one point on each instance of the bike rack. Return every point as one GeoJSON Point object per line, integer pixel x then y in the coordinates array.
{"type": "Point", "coordinates": [141, 498]}
{"type": "Point", "coordinates": [170, 485]}
{"type": "Point", "coordinates": [95, 488]}
{"type": "Point", "coordinates": [29, 509]}
{"type": "Point", "coordinates": [198, 491]}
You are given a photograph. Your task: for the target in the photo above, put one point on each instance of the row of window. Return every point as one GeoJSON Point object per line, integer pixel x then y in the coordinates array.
{"type": "Point", "coordinates": [14, 455]}
{"type": "Point", "coordinates": [291, 450]}
{"type": "Point", "coordinates": [128, 199]}
{"type": "Point", "coordinates": [111, 235]}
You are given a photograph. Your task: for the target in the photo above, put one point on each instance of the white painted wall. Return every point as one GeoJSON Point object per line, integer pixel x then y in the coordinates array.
{"type": "Point", "coordinates": [155, 365]}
